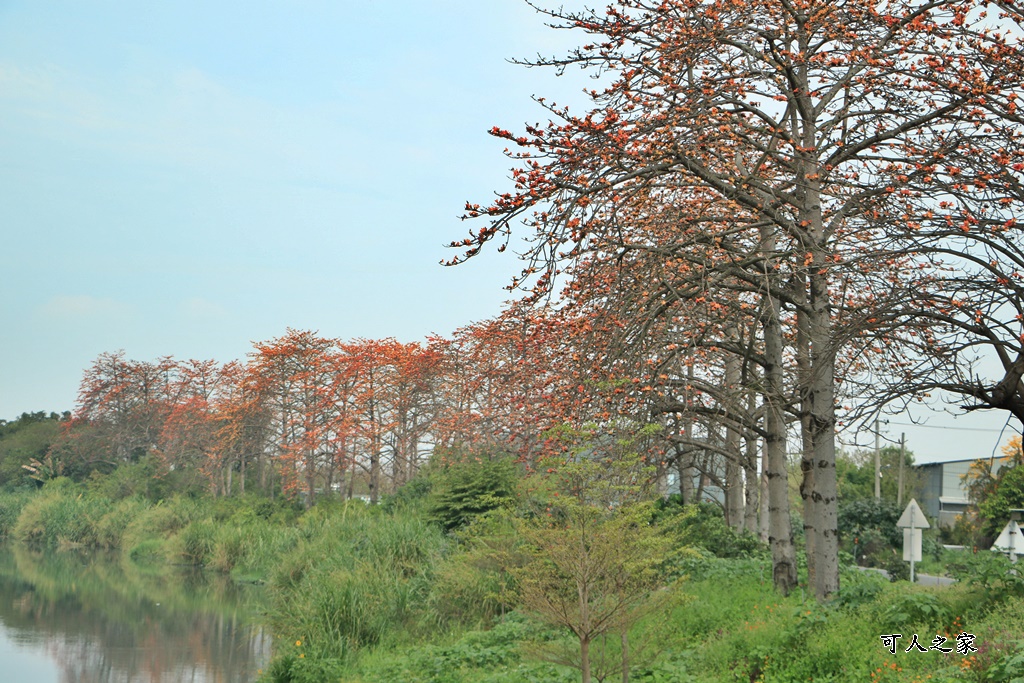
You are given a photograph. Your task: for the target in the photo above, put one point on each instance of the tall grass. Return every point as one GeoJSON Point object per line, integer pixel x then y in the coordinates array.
{"type": "Point", "coordinates": [161, 520]}
{"type": "Point", "coordinates": [59, 516]}
{"type": "Point", "coordinates": [11, 505]}
{"type": "Point", "coordinates": [355, 580]}
{"type": "Point", "coordinates": [111, 528]}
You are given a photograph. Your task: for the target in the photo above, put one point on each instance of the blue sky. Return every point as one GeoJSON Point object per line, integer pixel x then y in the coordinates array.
{"type": "Point", "coordinates": [185, 178]}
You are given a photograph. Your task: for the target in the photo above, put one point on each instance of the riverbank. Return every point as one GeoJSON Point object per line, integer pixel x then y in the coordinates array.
{"type": "Point", "coordinates": [96, 616]}
{"type": "Point", "coordinates": [383, 594]}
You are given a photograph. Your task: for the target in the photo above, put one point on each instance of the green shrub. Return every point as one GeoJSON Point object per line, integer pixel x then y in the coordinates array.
{"type": "Point", "coordinates": [143, 478]}
{"type": "Point", "coordinates": [110, 528]}
{"type": "Point", "coordinates": [1009, 494]}
{"type": "Point", "coordinates": [893, 563]}
{"type": "Point", "coordinates": [966, 531]}
{"type": "Point", "coordinates": [195, 543]}
{"type": "Point", "coordinates": [338, 612]}
{"type": "Point", "coordinates": [60, 516]}
{"type": "Point", "coordinates": [470, 589]}
{"type": "Point", "coordinates": [291, 668]}
{"type": "Point", "coordinates": [703, 526]}
{"type": "Point", "coordinates": [354, 577]}
{"type": "Point", "coordinates": [161, 520]}
{"type": "Point", "coordinates": [468, 488]}
{"type": "Point", "coordinates": [250, 544]}
{"type": "Point", "coordinates": [1009, 668]}
{"type": "Point", "coordinates": [488, 656]}
{"type": "Point", "coordinates": [867, 529]}
{"type": "Point", "coordinates": [990, 572]}
{"type": "Point", "coordinates": [918, 608]}
{"type": "Point", "coordinates": [858, 588]}
{"type": "Point", "coordinates": [255, 548]}
{"type": "Point", "coordinates": [403, 544]}
{"type": "Point", "coordinates": [413, 494]}
{"type": "Point", "coordinates": [229, 549]}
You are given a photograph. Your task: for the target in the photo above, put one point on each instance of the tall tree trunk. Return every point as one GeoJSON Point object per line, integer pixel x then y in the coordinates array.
{"type": "Point", "coordinates": [310, 478]}
{"type": "Point", "coordinates": [733, 486]}
{"type": "Point", "coordinates": [686, 455]}
{"type": "Point", "coordinates": [351, 481]}
{"type": "Point", "coordinates": [374, 484]}
{"type": "Point", "coordinates": [684, 466]}
{"type": "Point", "coordinates": [400, 466]}
{"type": "Point", "coordinates": [822, 422]}
{"type": "Point", "coordinates": [625, 655]}
{"type": "Point", "coordinates": [585, 658]}
{"type": "Point", "coordinates": [812, 520]}
{"type": "Point", "coordinates": [332, 466]}
{"type": "Point", "coordinates": [702, 482]}
{"type": "Point", "coordinates": [261, 470]}
{"type": "Point", "coordinates": [413, 460]}
{"type": "Point", "coordinates": [820, 389]}
{"type": "Point", "coordinates": [762, 525]}
{"type": "Point", "coordinates": [750, 484]}
{"type": "Point", "coordinates": [780, 533]}
{"type": "Point", "coordinates": [750, 478]}
{"type": "Point", "coordinates": [733, 459]}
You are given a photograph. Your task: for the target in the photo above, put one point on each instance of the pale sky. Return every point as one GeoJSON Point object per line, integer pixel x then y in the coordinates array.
{"type": "Point", "coordinates": [186, 178]}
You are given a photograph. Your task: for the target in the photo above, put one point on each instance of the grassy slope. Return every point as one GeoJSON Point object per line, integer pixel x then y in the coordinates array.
{"type": "Point", "coordinates": [366, 594]}
{"type": "Point", "coordinates": [736, 628]}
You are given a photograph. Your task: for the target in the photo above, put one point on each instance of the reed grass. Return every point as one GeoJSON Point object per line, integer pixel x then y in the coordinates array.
{"type": "Point", "coordinates": [11, 505]}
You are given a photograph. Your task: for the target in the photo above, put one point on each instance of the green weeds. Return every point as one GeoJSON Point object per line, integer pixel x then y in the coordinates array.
{"type": "Point", "coordinates": [11, 505]}
{"type": "Point", "coordinates": [380, 595]}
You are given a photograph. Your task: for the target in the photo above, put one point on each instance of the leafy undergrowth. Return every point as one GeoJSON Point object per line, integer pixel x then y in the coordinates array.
{"type": "Point", "coordinates": [381, 594]}
{"type": "Point", "coordinates": [734, 628]}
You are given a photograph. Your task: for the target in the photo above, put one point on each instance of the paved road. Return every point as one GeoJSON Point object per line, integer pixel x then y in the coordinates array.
{"type": "Point", "coordinates": [922, 579]}
{"type": "Point", "coordinates": [928, 580]}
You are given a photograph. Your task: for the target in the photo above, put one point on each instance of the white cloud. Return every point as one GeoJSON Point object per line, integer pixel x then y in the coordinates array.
{"type": "Point", "coordinates": [84, 306]}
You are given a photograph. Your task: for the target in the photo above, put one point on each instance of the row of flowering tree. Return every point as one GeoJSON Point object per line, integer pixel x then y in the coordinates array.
{"type": "Point", "coordinates": [792, 206]}
{"type": "Point", "coordinates": [775, 217]}
{"type": "Point", "coordinates": [306, 413]}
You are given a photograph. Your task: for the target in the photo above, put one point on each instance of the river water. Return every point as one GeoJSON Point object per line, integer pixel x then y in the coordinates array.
{"type": "Point", "coordinates": [67, 617]}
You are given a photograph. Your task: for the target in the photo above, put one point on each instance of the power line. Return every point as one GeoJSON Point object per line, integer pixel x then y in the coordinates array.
{"type": "Point", "coordinates": [956, 429]}
{"type": "Point", "coordinates": [993, 456]}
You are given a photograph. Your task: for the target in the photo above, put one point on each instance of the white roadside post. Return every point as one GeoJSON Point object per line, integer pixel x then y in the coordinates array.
{"type": "Point", "coordinates": [912, 521]}
{"type": "Point", "coordinates": [1010, 540]}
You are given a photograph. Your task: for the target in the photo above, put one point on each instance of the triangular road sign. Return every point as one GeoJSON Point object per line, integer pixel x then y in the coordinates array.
{"type": "Point", "coordinates": [913, 517]}
{"type": "Point", "coordinates": [1010, 540]}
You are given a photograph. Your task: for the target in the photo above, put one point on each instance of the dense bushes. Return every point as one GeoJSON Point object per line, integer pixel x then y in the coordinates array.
{"type": "Point", "coordinates": [733, 627]}
{"type": "Point", "coordinates": [380, 593]}
{"type": "Point", "coordinates": [703, 526]}
{"type": "Point", "coordinates": [868, 531]}
{"type": "Point", "coordinates": [1009, 494]}
{"type": "Point", "coordinates": [57, 516]}
{"type": "Point", "coordinates": [470, 487]}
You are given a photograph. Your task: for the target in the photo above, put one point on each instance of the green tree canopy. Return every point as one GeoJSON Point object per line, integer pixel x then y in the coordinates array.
{"type": "Point", "coordinates": [23, 440]}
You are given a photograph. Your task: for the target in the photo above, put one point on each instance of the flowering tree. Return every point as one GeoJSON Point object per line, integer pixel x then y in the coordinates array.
{"type": "Point", "coordinates": [808, 140]}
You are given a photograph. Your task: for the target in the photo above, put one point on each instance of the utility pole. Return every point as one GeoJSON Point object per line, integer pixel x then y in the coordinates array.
{"type": "Point", "coordinates": [878, 465]}
{"type": "Point", "coordinates": [899, 485]}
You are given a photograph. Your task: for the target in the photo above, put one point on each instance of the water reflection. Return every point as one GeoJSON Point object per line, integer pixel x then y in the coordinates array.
{"type": "Point", "coordinates": [73, 618]}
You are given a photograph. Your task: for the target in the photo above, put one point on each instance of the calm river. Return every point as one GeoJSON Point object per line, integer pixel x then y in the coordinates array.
{"type": "Point", "coordinates": [78, 618]}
